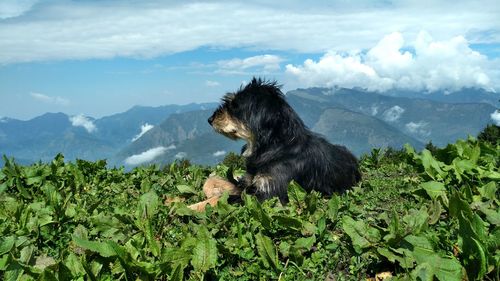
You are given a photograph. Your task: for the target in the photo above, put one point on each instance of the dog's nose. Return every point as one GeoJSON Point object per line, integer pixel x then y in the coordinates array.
{"type": "Point", "coordinates": [211, 120]}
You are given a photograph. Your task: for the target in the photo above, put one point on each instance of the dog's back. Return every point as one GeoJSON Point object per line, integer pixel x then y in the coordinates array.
{"type": "Point", "coordinates": [325, 167]}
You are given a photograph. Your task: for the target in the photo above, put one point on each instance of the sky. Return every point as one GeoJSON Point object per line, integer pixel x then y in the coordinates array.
{"type": "Point", "coordinates": [97, 58]}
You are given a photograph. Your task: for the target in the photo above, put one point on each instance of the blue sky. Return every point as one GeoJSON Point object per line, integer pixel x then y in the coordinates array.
{"type": "Point", "coordinates": [102, 57]}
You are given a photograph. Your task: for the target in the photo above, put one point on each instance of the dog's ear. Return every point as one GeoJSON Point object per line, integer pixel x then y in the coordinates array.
{"type": "Point", "coordinates": [228, 98]}
{"type": "Point", "coordinates": [263, 86]}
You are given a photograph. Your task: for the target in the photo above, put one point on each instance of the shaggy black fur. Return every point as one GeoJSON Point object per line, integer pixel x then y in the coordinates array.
{"type": "Point", "coordinates": [279, 146]}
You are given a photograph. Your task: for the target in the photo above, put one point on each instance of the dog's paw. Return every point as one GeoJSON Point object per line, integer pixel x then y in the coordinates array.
{"type": "Point", "coordinates": [200, 206]}
{"type": "Point", "coordinates": [216, 186]}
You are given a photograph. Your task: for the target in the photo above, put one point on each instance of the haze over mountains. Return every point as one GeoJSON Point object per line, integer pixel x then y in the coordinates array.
{"type": "Point", "coordinates": [356, 118]}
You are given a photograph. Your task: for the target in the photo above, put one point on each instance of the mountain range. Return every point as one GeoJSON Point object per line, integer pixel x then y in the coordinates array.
{"type": "Point", "coordinates": [356, 118]}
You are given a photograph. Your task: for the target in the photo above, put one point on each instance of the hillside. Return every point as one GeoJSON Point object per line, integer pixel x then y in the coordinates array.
{"type": "Point", "coordinates": [360, 132]}
{"type": "Point", "coordinates": [423, 119]}
{"type": "Point", "coordinates": [43, 137]}
{"type": "Point", "coordinates": [413, 216]}
{"type": "Point", "coordinates": [166, 133]}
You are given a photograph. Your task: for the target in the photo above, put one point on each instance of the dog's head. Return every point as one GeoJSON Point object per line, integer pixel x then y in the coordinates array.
{"type": "Point", "coordinates": [257, 113]}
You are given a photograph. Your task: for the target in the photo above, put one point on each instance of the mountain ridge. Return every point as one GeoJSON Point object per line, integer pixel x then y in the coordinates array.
{"type": "Point", "coordinates": [356, 118]}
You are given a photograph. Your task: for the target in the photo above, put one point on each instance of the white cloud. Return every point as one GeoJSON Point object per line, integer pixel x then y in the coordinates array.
{"type": "Point", "coordinates": [144, 128]}
{"type": "Point", "coordinates": [495, 116]}
{"type": "Point", "coordinates": [15, 8]}
{"type": "Point", "coordinates": [393, 114]}
{"type": "Point", "coordinates": [83, 121]}
{"type": "Point", "coordinates": [146, 156]}
{"type": "Point", "coordinates": [181, 155]}
{"type": "Point", "coordinates": [171, 147]}
{"type": "Point", "coordinates": [56, 30]}
{"type": "Point", "coordinates": [210, 83]}
{"type": "Point", "coordinates": [49, 99]}
{"type": "Point", "coordinates": [435, 65]}
{"type": "Point", "coordinates": [374, 110]}
{"type": "Point", "coordinates": [266, 62]}
{"type": "Point", "coordinates": [418, 128]}
{"type": "Point", "coordinates": [219, 153]}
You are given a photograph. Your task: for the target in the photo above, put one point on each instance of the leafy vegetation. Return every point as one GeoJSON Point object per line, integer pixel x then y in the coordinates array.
{"type": "Point", "coordinates": [424, 216]}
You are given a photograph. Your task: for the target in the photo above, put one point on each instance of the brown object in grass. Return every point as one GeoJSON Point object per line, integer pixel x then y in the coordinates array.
{"type": "Point", "coordinates": [214, 188]}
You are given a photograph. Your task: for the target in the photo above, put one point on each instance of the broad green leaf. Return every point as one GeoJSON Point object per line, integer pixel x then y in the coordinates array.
{"type": "Point", "coordinates": [176, 256]}
{"type": "Point", "coordinates": [178, 272]}
{"type": "Point", "coordinates": [443, 268]}
{"type": "Point", "coordinates": [483, 262]}
{"type": "Point", "coordinates": [13, 272]}
{"type": "Point", "coordinates": [186, 189]}
{"type": "Point", "coordinates": [257, 211]}
{"type": "Point", "coordinates": [296, 193]}
{"type": "Point", "coordinates": [457, 205]}
{"type": "Point", "coordinates": [423, 272]}
{"type": "Point", "coordinates": [488, 190]}
{"type": "Point", "coordinates": [492, 216]}
{"type": "Point", "coordinates": [333, 207]}
{"type": "Point", "coordinates": [148, 204]}
{"type": "Point", "coordinates": [416, 220]}
{"type": "Point", "coordinates": [361, 234]}
{"type": "Point", "coordinates": [305, 243]}
{"type": "Point", "coordinates": [321, 226]}
{"type": "Point", "coordinates": [421, 247]}
{"type": "Point", "coordinates": [74, 265]}
{"type": "Point", "coordinates": [493, 175]}
{"type": "Point", "coordinates": [6, 244]}
{"type": "Point", "coordinates": [3, 186]}
{"type": "Point", "coordinates": [434, 189]}
{"type": "Point", "coordinates": [154, 246]}
{"type": "Point", "coordinates": [4, 261]}
{"type": "Point", "coordinates": [43, 262]}
{"type": "Point", "coordinates": [104, 249]}
{"type": "Point", "coordinates": [267, 251]}
{"type": "Point", "coordinates": [205, 251]}
{"type": "Point", "coordinates": [434, 210]}
{"type": "Point", "coordinates": [287, 222]}
{"type": "Point", "coordinates": [432, 166]}
{"type": "Point", "coordinates": [402, 256]}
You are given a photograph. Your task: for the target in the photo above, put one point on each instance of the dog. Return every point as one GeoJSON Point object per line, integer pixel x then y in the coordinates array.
{"type": "Point", "coordinates": [279, 147]}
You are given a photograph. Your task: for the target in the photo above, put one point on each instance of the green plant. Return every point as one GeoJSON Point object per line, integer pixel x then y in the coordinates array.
{"type": "Point", "coordinates": [415, 215]}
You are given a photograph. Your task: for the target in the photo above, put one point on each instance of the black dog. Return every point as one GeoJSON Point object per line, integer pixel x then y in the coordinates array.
{"type": "Point", "coordinates": [279, 147]}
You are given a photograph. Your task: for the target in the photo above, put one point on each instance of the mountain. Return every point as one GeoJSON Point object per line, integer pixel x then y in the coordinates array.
{"type": "Point", "coordinates": [43, 137]}
{"type": "Point", "coordinates": [121, 128]}
{"type": "Point", "coordinates": [360, 132]}
{"type": "Point", "coordinates": [465, 95]}
{"type": "Point", "coordinates": [356, 118]}
{"type": "Point", "coordinates": [422, 119]}
{"type": "Point", "coordinates": [186, 135]}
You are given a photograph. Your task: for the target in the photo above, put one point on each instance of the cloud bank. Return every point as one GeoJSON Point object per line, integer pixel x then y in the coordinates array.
{"type": "Point", "coordinates": [495, 116]}
{"type": "Point", "coordinates": [49, 99]}
{"type": "Point", "coordinates": [418, 128]}
{"type": "Point", "coordinates": [144, 128]}
{"type": "Point", "coordinates": [219, 153]}
{"type": "Point", "coordinates": [393, 114]}
{"type": "Point", "coordinates": [83, 121]}
{"type": "Point", "coordinates": [433, 65]}
{"type": "Point", "coordinates": [61, 30]}
{"type": "Point", "coordinates": [210, 83]}
{"type": "Point", "coordinates": [180, 155]}
{"type": "Point", "coordinates": [15, 8]}
{"type": "Point", "coordinates": [146, 156]}
{"type": "Point", "coordinates": [267, 63]}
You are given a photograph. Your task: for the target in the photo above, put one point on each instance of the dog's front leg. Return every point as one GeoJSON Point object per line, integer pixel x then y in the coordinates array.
{"type": "Point", "coordinates": [266, 186]}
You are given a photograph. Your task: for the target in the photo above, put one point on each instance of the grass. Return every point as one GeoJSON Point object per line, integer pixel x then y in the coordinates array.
{"type": "Point", "coordinates": [415, 216]}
